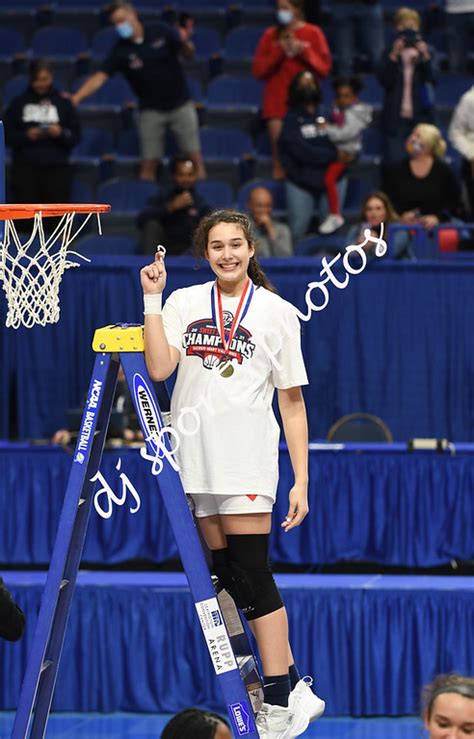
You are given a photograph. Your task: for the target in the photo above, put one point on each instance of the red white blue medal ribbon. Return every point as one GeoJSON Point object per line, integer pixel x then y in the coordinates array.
{"type": "Point", "coordinates": [218, 313]}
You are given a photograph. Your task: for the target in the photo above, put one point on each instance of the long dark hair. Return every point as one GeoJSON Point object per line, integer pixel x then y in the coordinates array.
{"type": "Point", "coordinates": [192, 722]}
{"type": "Point", "coordinates": [201, 236]}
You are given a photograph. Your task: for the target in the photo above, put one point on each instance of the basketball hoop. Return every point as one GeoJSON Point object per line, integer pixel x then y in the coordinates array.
{"type": "Point", "coordinates": [31, 272]}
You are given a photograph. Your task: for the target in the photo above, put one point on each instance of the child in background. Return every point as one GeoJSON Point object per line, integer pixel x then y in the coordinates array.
{"type": "Point", "coordinates": [349, 118]}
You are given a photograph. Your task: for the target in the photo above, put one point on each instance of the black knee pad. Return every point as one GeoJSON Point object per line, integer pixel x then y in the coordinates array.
{"type": "Point", "coordinates": [253, 589]}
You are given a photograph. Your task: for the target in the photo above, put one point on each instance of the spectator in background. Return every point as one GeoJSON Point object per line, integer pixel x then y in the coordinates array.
{"type": "Point", "coordinates": [123, 422]}
{"type": "Point", "coordinates": [423, 187]}
{"type": "Point", "coordinates": [41, 127]}
{"type": "Point", "coordinates": [460, 29]}
{"type": "Point", "coordinates": [306, 151]}
{"type": "Point", "coordinates": [12, 619]}
{"type": "Point", "coordinates": [377, 209]}
{"type": "Point", "coordinates": [289, 47]}
{"type": "Point", "coordinates": [349, 118]}
{"type": "Point", "coordinates": [407, 76]}
{"type": "Point", "coordinates": [461, 135]}
{"type": "Point", "coordinates": [274, 238]}
{"type": "Point", "coordinates": [149, 58]}
{"type": "Point", "coordinates": [170, 217]}
{"type": "Point", "coordinates": [448, 707]}
{"type": "Point", "coordinates": [198, 724]}
{"type": "Point", "coordinates": [358, 26]}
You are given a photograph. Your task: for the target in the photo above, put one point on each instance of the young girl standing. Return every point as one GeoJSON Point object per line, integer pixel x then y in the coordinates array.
{"type": "Point", "coordinates": [235, 341]}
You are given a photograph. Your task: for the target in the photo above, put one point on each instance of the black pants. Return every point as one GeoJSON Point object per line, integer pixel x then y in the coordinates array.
{"type": "Point", "coordinates": [29, 184]}
{"type": "Point", "coordinates": [12, 620]}
{"type": "Point", "coordinates": [466, 172]}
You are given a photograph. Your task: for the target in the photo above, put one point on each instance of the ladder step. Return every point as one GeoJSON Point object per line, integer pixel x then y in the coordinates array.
{"type": "Point", "coordinates": [81, 501]}
{"type": "Point", "coordinates": [63, 584]}
{"type": "Point", "coordinates": [47, 663]}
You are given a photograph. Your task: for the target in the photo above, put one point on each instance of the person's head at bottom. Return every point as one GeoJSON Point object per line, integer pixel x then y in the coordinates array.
{"type": "Point", "coordinates": [196, 724]}
{"type": "Point", "coordinates": [448, 707]}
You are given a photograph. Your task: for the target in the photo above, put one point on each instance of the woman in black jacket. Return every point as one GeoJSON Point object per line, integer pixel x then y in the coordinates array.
{"type": "Point", "coordinates": [41, 128]}
{"type": "Point", "coordinates": [305, 151]}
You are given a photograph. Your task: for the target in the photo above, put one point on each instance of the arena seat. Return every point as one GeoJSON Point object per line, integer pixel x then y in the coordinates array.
{"type": "Point", "coordinates": [95, 142]}
{"type": "Point", "coordinates": [241, 42]}
{"type": "Point", "coordinates": [54, 42]}
{"type": "Point", "coordinates": [103, 42]}
{"type": "Point", "coordinates": [224, 143]}
{"type": "Point", "coordinates": [111, 245]}
{"type": "Point", "coordinates": [126, 196]}
{"type": "Point", "coordinates": [217, 193]}
{"type": "Point", "coordinates": [11, 43]}
{"type": "Point", "coordinates": [114, 93]}
{"type": "Point", "coordinates": [234, 91]}
{"type": "Point", "coordinates": [207, 42]}
{"type": "Point", "coordinates": [276, 187]}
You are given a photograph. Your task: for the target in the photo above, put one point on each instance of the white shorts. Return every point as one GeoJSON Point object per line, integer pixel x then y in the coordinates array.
{"type": "Point", "coordinates": [224, 505]}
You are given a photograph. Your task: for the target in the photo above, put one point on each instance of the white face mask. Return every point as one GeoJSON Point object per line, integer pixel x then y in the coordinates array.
{"type": "Point", "coordinates": [124, 29]}
{"type": "Point", "coordinates": [285, 17]}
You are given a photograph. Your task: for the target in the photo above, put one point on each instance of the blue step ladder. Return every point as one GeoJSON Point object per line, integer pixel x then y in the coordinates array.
{"type": "Point", "coordinates": [114, 345]}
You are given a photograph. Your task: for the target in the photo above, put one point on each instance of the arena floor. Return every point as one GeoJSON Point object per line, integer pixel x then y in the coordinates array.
{"type": "Point", "coordinates": [146, 726]}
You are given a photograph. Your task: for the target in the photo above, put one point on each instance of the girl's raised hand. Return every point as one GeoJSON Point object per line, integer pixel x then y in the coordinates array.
{"type": "Point", "coordinates": [153, 276]}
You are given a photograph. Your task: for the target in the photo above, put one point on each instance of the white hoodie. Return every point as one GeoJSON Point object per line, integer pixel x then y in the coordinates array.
{"type": "Point", "coordinates": [348, 137]}
{"type": "Point", "coordinates": [461, 128]}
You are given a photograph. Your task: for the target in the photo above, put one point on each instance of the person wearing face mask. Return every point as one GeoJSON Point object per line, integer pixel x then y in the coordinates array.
{"type": "Point", "coordinates": [407, 76]}
{"type": "Point", "coordinates": [306, 150]}
{"type": "Point", "coordinates": [289, 47]}
{"type": "Point", "coordinates": [448, 707]}
{"type": "Point", "coordinates": [171, 216]}
{"type": "Point", "coordinates": [41, 127]}
{"type": "Point", "coordinates": [149, 58]}
{"type": "Point", "coordinates": [423, 187]}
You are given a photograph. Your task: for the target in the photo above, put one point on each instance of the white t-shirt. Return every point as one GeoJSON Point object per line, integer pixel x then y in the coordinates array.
{"type": "Point", "coordinates": [228, 432]}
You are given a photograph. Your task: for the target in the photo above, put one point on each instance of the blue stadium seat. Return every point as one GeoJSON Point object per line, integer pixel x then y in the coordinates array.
{"type": "Point", "coordinates": [372, 143]}
{"type": "Point", "coordinates": [314, 243]}
{"type": "Point", "coordinates": [242, 41]}
{"type": "Point", "coordinates": [94, 143]}
{"type": "Point", "coordinates": [103, 42]}
{"type": "Point", "coordinates": [58, 42]}
{"type": "Point", "coordinates": [263, 147]}
{"type": "Point", "coordinates": [111, 245]}
{"type": "Point", "coordinates": [224, 143]}
{"type": "Point", "coordinates": [450, 88]}
{"type": "Point", "coordinates": [128, 144]}
{"type": "Point", "coordinates": [234, 91]}
{"type": "Point", "coordinates": [276, 187]}
{"type": "Point", "coordinates": [195, 88]}
{"type": "Point", "coordinates": [207, 42]}
{"type": "Point", "coordinates": [114, 93]}
{"type": "Point", "coordinates": [11, 43]}
{"type": "Point", "coordinates": [216, 192]}
{"type": "Point", "coordinates": [81, 192]}
{"type": "Point", "coordinates": [357, 190]}
{"type": "Point", "coordinates": [126, 196]}
{"type": "Point", "coordinates": [372, 91]}
{"type": "Point", "coordinates": [14, 87]}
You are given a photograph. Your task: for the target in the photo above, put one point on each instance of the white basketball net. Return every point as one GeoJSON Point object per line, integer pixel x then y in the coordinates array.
{"type": "Point", "coordinates": [31, 272]}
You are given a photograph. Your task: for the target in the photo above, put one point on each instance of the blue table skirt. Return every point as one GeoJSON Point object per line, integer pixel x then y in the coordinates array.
{"type": "Point", "coordinates": [392, 507]}
{"type": "Point", "coordinates": [134, 644]}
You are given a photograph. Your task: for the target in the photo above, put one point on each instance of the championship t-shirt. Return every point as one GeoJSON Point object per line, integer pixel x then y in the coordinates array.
{"type": "Point", "coordinates": [227, 429]}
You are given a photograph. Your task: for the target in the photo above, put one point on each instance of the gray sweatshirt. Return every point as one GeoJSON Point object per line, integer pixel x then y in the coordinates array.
{"type": "Point", "coordinates": [348, 137]}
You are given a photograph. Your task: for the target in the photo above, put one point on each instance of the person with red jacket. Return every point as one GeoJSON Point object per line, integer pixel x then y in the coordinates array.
{"type": "Point", "coordinates": [285, 49]}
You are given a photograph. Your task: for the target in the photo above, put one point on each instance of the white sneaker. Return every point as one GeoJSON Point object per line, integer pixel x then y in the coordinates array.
{"type": "Point", "coordinates": [331, 223]}
{"type": "Point", "coordinates": [303, 699]}
{"type": "Point", "coordinates": [277, 722]}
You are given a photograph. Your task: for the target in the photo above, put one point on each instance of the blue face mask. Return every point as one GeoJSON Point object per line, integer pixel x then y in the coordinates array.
{"type": "Point", "coordinates": [124, 29]}
{"type": "Point", "coordinates": [285, 17]}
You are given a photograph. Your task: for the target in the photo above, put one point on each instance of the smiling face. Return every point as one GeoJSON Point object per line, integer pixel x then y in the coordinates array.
{"type": "Point", "coordinates": [229, 253]}
{"type": "Point", "coordinates": [451, 717]}
{"type": "Point", "coordinates": [375, 212]}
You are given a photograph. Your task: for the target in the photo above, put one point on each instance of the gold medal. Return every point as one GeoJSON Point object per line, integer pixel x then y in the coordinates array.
{"type": "Point", "coordinates": [227, 370]}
